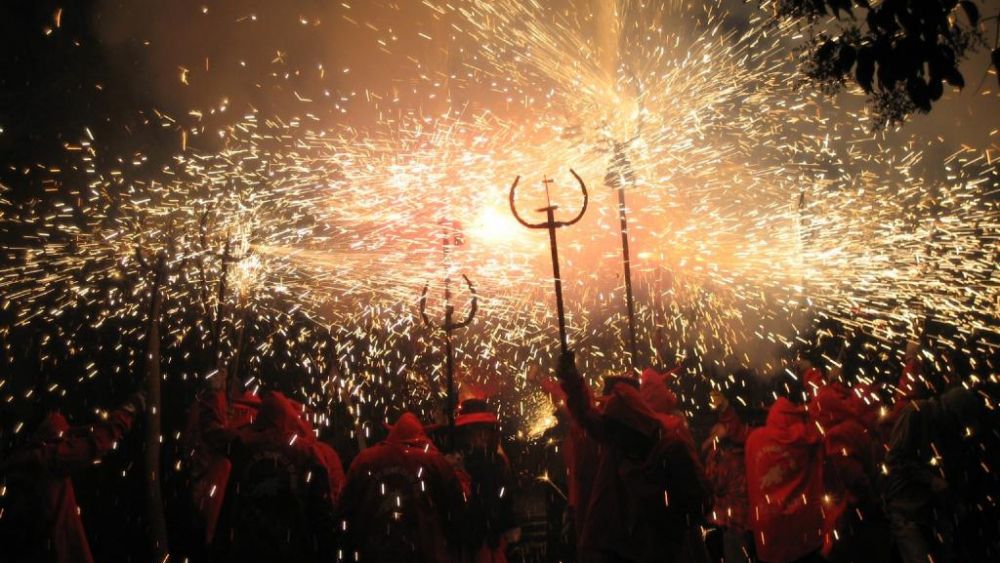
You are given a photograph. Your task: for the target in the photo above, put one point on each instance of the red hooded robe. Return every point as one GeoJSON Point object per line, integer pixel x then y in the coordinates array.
{"type": "Point", "coordinates": [645, 502]}
{"type": "Point", "coordinates": [784, 462]}
{"type": "Point", "coordinates": [280, 496]}
{"type": "Point", "coordinates": [403, 501]}
{"type": "Point", "coordinates": [725, 467]}
{"type": "Point", "coordinates": [849, 430]}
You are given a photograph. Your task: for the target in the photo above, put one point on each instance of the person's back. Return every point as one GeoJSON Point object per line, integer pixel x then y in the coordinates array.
{"type": "Point", "coordinates": [854, 519]}
{"type": "Point", "coordinates": [928, 458]}
{"type": "Point", "coordinates": [279, 503]}
{"type": "Point", "coordinates": [490, 523]}
{"type": "Point", "coordinates": [402, 500]}
{"type": "Point", "coordinates": [649, 491]}
{"type": "Point", "coordinates": [785, 485]}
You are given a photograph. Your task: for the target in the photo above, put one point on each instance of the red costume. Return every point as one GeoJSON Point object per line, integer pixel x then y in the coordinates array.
{"type": "Point", "coordinates": [208, 467]}
{"type": "Point", "coordinates": [403, 500]}
{"type": "Point", "coordinates": [580, 454]}
{"type": "Point", "coordinates": [655, 392]}
{"type": "Point", "coordinates": [848, 427]}
{"type": "Point", "coordinates": [40, 518]}
{"type": "Point", "coordinates": [280, 496]}
{"type": "Point", "coordinates": [784, 462]}
{"type": "Point", "coordinates": [726, 469]}
{"type": "Point", "coordinates": [649, 489]}
{"type": "Point", "coordinates": [813, 380]}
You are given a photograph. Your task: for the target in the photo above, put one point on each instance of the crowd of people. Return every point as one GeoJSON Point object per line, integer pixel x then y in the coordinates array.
{"type": "Point", "coordinates": [829, 475]}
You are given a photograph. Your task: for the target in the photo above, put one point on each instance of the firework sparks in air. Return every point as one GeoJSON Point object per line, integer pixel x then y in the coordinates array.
{"type": "Point", "coordinates": [753, 201]}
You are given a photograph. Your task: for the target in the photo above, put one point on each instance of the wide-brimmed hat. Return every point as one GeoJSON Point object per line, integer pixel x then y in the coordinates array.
{"type": "Point", "coordinates": [475, 411]}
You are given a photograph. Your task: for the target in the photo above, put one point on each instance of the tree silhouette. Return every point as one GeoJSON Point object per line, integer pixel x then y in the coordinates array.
{"type": "Point", "coordinates": [900, 52]}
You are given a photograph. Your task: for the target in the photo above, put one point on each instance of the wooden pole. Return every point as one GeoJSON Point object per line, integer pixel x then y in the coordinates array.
{"type": "Point", "coordinates": [154, 493]}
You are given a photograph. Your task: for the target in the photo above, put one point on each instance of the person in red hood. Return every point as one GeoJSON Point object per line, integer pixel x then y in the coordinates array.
{"type": "Point", "coordinates": [725, 467]}
{"type": "Point", "coordinates": [581, 453]}
{"type": "Point", "coordinates": [854, 522]}
{"type": "Point", "coordinates": [649, 492]}
{"type": "Point", "coordinates": [812, 377]}
{"type": "Point", "coordinates": [208, 468]}
{"type": "Point", "coordinates": [279, 502]}
{"type": "Point", "coordinates": [403, 501]}
{"type": "Point", "coordinates": [784, 462]}
{"type": "Point", "coordinates": [39, 518]}
{"type": "Point", "coordinates": [655, 391]}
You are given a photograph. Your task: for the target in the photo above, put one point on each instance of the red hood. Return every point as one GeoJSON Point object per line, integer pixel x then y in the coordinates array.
{"type": "Point", "coordinates": [408, 431]}
{"type": "Point", "coordinates": [736, 431]}
{"type": "Point", "coordinates": [793, 421]}
{"type": "Point", "coordinates": [835, 404]}
{"type": "Point", "coordinates": [654, 391]}
{"type": "Point", "coordinates": [245, 409]}
{"type": "Point", "coordinates": [53, 426]}
{"type": "Point", "coordinates": [279, 413]}
{"type": "Point", "coordinates": [626, 406]}
{"type": "Point", "coordinates": [813, 381]}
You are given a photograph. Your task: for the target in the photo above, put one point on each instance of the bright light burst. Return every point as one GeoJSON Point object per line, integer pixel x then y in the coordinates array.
{"type": "Point", "coordinates": [749, 201]}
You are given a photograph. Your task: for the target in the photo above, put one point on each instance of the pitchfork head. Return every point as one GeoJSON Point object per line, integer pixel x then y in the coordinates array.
{"type": "Point", "coordinates": [448, 325]}
{"type": "Point", "coordinates": [550, 222]}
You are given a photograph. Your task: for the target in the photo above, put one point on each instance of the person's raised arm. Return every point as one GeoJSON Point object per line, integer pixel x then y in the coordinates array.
{"type": "Point", "coordinates": [578, 398]}
{"type": "Point", "coordinates": [82, 446]}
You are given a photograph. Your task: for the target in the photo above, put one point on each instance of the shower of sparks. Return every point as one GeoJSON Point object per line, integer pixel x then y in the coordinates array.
{"type": "Point", "coordinates": [754, 205]}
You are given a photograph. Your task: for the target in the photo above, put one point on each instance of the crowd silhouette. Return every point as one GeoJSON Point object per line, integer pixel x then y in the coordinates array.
{"type": "Point", "coordinates": [807, 465]}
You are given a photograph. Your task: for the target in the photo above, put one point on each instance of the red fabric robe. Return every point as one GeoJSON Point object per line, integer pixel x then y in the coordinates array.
{"type": "Point", "coordinates": [645, 502]}
{"type": "Point", "coordinates": [403, 501]}
{"type": "Point", "coordinates": [726, 470]}
{"type": "Point", "coordinates": [784, 462]}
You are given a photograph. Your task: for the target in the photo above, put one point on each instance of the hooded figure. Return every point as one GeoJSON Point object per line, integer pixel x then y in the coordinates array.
{"type": "Point", "coordinates": [208, 468]}
{"type": "Point", "coordinates": [40, 520]}
{"type": "Point", "coordinates": [655, 391]}
{"type": "Point", "coordinates": [490, 524]}
{"type": "Point", "coordinates": [580, 455]}
{"type": "Point", "coordinates": [929, 455]}
{"type": "Point", "coordinates": [280, 495]}
{"type": "Point", "coordinates": [725, 468]}
{"type": "Point", "coordinates": [784, 462]}
{"type": "Point", "coordinates": [403, 501]}
{"type": "Point", "coordinates": [649, 491]}
{"type": "Point", "coordinates": [852, 512]}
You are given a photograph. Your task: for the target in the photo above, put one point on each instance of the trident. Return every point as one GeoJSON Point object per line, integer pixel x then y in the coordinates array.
{"type": "Point", "coordinates": [620, 173]}
{"type": "Point", "coordinates": [551, 224]}
{"type": "Point", "coordinates": [451, 238]}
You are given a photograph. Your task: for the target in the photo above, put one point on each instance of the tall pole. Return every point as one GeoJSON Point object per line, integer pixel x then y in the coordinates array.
{"type": "Point", "coordinates": [620, 173]}
{"type": "Point", "coordinates": [154, 494]}
{"type": "Point", "coordinates": [557, 278]}
{"type": "Point", "coordinates": [450, 238]}
{"type": "Point", "coordinates": [449, 352]}
{"type": "Point", "coordinates": [626, 260]}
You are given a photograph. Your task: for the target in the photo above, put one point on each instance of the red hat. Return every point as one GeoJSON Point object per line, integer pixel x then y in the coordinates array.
{"type": "Point", "coordinates": [475, 411]}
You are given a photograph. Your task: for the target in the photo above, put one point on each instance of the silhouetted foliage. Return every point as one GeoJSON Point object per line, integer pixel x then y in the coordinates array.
{"type": "Point", "coordinates": [900, 52]}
